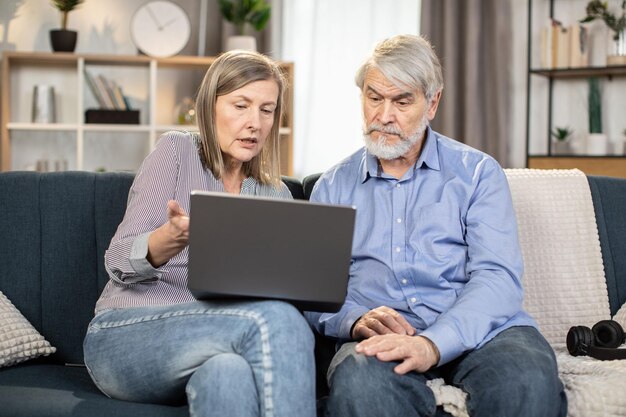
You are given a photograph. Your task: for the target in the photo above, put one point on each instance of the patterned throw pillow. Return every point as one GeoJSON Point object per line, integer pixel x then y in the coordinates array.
{"type": "Point", "coordinates": [19, 341]}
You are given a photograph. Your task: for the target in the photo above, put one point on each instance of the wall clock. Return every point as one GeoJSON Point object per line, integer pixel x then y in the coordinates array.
{"type": "Point", "coordinates": [160, 28]}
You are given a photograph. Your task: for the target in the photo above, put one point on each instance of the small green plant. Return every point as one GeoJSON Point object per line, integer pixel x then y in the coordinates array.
{"type": "Point", "coordinates": [597, 9]}
{"type": "Point", "coordinates": [65, 7]}
{"type": "Point", "coordinates": [256, 13]}
{"type": "Point", "coordinates": [595, 106]}
{"type": "Point", "coordinates": [561, 134]}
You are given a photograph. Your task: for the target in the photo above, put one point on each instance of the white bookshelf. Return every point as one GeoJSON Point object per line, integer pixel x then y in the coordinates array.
{"type": "Point", "coordinates": [156, 86]}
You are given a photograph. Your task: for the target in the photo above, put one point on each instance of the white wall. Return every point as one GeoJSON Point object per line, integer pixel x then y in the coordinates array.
{"type": "Point", "coordinates": [102, 25]}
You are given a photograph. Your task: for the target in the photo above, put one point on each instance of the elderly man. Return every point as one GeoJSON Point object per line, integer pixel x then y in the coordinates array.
{"type": "Point", "coordinates": [435, 285]}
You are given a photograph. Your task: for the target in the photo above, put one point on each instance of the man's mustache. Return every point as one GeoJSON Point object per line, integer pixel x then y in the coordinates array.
{"type": "Point", "coordinates": [374, 127]}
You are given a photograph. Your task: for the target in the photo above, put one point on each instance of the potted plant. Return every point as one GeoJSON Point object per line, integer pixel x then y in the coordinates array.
{"type": "Point", "coordinates": [64, 40]}
{"type": "Point", "coordinates": [597, 9]}
{"type": "Point", "coordinates": [561, 136]}
{"type": "Point", "coordinates": [596, 141]}
{"type": "Point", "coordinates": [244, 14]}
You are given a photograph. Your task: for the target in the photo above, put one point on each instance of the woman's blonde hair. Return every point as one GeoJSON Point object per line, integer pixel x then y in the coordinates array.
{"type": "Point", "coordinates": [229, 72]}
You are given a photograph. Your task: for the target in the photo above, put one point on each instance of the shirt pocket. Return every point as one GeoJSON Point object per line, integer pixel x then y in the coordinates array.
{"type": "Point", "coordinates": [438, 229]}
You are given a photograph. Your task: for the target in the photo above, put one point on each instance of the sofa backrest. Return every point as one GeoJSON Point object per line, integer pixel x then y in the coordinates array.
{"type": "Point", "coordinates": [55, 228]}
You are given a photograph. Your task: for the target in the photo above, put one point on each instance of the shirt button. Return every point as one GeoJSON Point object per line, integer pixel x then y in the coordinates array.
{"type": "Point", "coordinates": [399, 220]}
{"type": "Point", "coordinates": [413, 299]}
{"type": "Point", "coordinates": [398, 185]}
{"type": "Point", "coordinates": [404, 281]}
{"type": "Point", "coordinates": [398, 249]}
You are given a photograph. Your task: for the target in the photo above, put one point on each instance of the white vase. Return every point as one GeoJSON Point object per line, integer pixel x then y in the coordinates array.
{"type": "Point", "coordinates": [618, 53]}
{"type": "Point", "coordinates": [617, 146]}
{"type": "Point", "coordinates": [597, 144]}
{"type": "Point", "coordinates": [247, 43]}
{"type": "Point", "coordinates": [561, 147]}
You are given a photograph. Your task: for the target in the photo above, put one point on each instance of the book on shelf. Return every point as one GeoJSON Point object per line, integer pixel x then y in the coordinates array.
{"type": "Point", "coordinates": [91, 83]}
{"type": "Point", "coordinates": [579, 46]}
{"type": "Point", "coordinates": [560, 45]}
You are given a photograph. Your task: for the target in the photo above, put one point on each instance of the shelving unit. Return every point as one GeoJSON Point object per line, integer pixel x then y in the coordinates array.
{"type": "Point", "coordinates": [609, 164]}
{"type": "Point", "coordinates": [156, 85]}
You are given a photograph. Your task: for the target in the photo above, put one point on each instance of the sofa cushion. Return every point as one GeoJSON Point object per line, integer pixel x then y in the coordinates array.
{"type": "Point", "coordinates": [81, 212]}
{"type": "Point", "coordinates": [29, 388]}
{"type": "Point", "coordinates": [609, 200]}
{"type": "Point", "coordinates": [295, 187]}
{"type": "Point", "coordinates": [19, 341]}
{"type": "Point", "coordinates": [52, 270]}
{"type": "Point", "coordinates": [308, 183]}
{"type": "Point", "coordinates": [20, 269]}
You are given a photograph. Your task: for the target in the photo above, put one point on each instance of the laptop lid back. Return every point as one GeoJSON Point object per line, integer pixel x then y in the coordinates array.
{"type": "Point", "coordinates": [251, 247]}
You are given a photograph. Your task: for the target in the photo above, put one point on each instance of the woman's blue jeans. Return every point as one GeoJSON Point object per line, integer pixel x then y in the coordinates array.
{"type": "Point", "coordinates": [227, 358]}
{"type": "Point", "coordinates": [514, 374]}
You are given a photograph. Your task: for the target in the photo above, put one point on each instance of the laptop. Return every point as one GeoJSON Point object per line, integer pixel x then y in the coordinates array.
{"type": "Point", "coordinates": [262, 248]}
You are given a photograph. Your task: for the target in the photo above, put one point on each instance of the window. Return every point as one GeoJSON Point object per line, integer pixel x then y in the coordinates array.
{"type": "Point", "coordinates": [327, 40]}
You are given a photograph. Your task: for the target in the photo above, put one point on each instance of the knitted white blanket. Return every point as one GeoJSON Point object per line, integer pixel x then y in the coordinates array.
{"type": "Point", "coordinates": [564, 286]}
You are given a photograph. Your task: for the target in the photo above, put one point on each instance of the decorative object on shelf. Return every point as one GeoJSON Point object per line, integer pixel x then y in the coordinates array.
{"type": "Point", "coordinates": [44, 104]}
{"type": "Point", "coordinates": [597, 9]}
{"type": "Point", "coordinates": [108, 116]}
{"type": "Point", "coordinates": [596, 141]}
{"type": "Point", "coordinates": [561, 136]}
{"type": "Point", "coordinates": [186, 112]}
{"type": "Point", "coordinates": [64, 40]}
{"type": "Point", "coordinates": [242, 14]}
{"type": "Point", "coordinates": [160, 28]}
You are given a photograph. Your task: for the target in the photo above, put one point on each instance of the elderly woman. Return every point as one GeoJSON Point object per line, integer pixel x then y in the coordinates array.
{"type": "Point", "coordinates": [150, 340]}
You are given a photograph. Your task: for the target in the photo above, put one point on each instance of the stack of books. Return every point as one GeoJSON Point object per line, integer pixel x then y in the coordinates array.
{"type": "Point", "coordinates": [564, 46]}
{"type": "Point", "coordinates": [114, 106]}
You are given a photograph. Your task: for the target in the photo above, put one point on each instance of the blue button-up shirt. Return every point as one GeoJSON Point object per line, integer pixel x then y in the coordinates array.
{"type": "Point", "coordinates": [438, 245]}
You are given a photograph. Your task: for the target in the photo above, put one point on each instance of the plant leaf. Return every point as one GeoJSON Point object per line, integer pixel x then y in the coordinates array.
{"type": "Point", "coordinates": [259, 19]}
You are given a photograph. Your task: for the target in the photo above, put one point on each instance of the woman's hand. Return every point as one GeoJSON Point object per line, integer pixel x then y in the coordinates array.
{"type": "Point", "coordinates": [171, 237]}
{"type": "Point", "coordinates": [178, 221]}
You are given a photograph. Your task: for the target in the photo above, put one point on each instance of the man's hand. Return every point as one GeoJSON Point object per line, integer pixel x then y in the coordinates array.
{"type": "Point", "coordinates": [416, 353]}
{"type": "Point", "coordinates": [381, 320]}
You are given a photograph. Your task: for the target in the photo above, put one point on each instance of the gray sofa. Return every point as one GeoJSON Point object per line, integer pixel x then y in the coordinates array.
{"type": "Point", "coordinates": [55, 228]}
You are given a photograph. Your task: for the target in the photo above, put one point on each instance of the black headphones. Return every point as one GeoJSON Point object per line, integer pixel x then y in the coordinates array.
{"type": "Point", "coordinates": [600, 342]}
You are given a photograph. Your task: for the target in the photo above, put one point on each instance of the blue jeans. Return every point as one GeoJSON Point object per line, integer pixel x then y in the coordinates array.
{"type": "Point", "coordinates": [225, 358]}
{"type": "Point", "coordinates": [514, 374]}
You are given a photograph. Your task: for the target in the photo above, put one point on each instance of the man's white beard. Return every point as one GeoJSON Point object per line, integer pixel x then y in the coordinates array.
{"type": "Point", "coordinates": [382, 149]}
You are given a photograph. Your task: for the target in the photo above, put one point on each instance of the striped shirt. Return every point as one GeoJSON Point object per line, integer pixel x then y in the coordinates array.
{"type": "Point", "coordinates": [170, 172]}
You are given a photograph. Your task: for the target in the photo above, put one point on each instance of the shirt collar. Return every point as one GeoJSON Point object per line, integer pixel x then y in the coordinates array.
{"type": "Point", "coordinates": [430, 151]}
{"type": "Point", "coordinates": [429, 158]}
